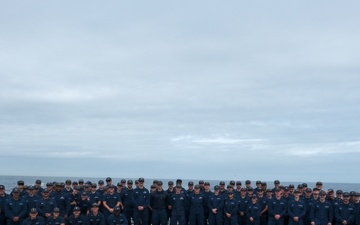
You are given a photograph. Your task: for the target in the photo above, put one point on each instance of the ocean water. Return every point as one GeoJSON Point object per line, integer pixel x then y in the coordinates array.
{"type": "Point", "coordinates": [11, 181]}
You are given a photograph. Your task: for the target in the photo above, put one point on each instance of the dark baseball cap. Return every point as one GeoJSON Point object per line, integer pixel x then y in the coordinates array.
{"type": "Point", "coordinates": [76, 208]}
{"type": "Point", "coordinates": [297, 191]}
{"type": "Point", "coordinates": [20, 182]}
{"type": "Point", "coordinates": [2, 186]}
{"type": "Point", "coordinates": [190, 183]}
{"type": "Point", "coordinates": [276, 182]}
{"type": "Point", "coordinates": [123, 181]}
{"type": "Point", "coordinates": [159, 183]}
{"type": "Point", "coordinates": [170, 183]}
{"type": "Point", "coordinates": [129, 181]}
{"type": "Point", "coordinates": [308, 190]}
{"type": "Point", "coordinates": [95, 205]}
{"type": "Point", "coordinates": [201, 182]}
{"type": "Point", "coordinates": [319, 183]}
{"type": "Point", "coordinates": [247, 182]}
{"type": "Point", "coordinates": [141, 179]}
{"type": "Point", "coordinates": [108, 179]}
{"type": "Point", "coordinates": [322, 193]}
{"type": "Point", "coordinates": [232, 182]}
{"type": "Point", "coordinates": [16, 190]}
{"type": "Point", "coordinates": [216, 187]}
{"type": "Point", "coordinates": [56, 209]}
{"type": "Point", "coordinates": [38, 182]}
{"type": "Point", "coordinates": [238, 183]}
{"type": "Point", "coordinates": [346, 194]}
{"type": "Point", "coordinates": [100, 182]}
{"type": "Point", "coordinates": [197, 186]}
{"type": "Point", "coordinates": [222, 183]}
{"type": "Point", "coordinates": [339, 192]}
{"type": "Point", "coordinates": [33, 210]}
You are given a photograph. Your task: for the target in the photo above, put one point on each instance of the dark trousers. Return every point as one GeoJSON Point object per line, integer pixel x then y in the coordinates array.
{"type": "Point", "coordinates": [141, 217]}
{"type": "Point", "coordinates": [159, 217]}
{"type": "Point", "coordinates": [230, 221]}
{"type": "Point", "coordinates": [196, 219]}
{"type": "Point", "coordinates": [129, 213]}
{"type": "Point", "coordinates": [215, 219]}
{"type": "Point", "coordinates": [175, 219]}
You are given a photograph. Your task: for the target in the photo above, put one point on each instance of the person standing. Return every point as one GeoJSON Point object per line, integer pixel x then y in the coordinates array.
{"type": "Point", "coordinates": [277, 207]}
{"type": "Point", "coordinates": [216, 205]}
{"type": "Point", "coordinates": [230, 209]}
{"type": "Point", "coordinates": [321, 211]}
{"type": "Point", "coordinates": [197, 205]}
{"type": "Point", "coordinates": [177, 205]}
{"type": "Point", "coordinates": [296, 209]}
{"type": "Point", "coordinates": [15, 208]}
{"type": "Point", "coordinates": [253, 211]}
{"type": "Point", "coordinates": [158, 203]}
{"type": "Point", "coordinates": [345, 211]}
{"type": "Point", "coordinates": [141, 201]}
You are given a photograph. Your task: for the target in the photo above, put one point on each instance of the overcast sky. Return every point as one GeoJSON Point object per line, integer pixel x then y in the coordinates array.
{"type": "Point", "coordinates": [191, 89]}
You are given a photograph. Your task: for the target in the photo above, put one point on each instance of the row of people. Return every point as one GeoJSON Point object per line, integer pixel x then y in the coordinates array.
{"type": "Point", "coordinates": [194, 205]}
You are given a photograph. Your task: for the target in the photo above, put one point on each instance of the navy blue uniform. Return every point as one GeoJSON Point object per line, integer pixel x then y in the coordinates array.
{"type": "Point", "coordinates": [321, 213]}
{"type": "Point", "coordinates": [206, 195]}
{"type": "Point", "coordinates": [296, 209]}
{"type": "Point", "coordinates": [197, 204]}
{"type": "Point", "coordinates": [31, 202]}
{"type": "Point", "coordinates": [111, 201]}
{"type": "Point", "coordinates": [55, 221]}
{"type": "Point", "coordinates": [126, 198]}
{"type": "Point", "coordinates": [117, 220]}
{"type": "Point", "coordinates": [241, 212]}
{"type": "Point", "coordinates": [263, 201]}
{"type": "Point", "coordinates": [3, 200]}
{"type": "Point", "coordinates": [158, 202]}
{"type": "Point", "coordinates": [44, 206]}
{"type": "Point", "coordinates": [92, 219]}
{"type": "Point", "coordinates": [231, 207]}
{"type": "Point", "coordinates": [253, 211]}
{"type": "Point", "coordinates": [277, 207]}
{"type": "Point", "coordinates": [178, 203]}
{"type": "Point", "coordinates": [345, 212]}
{"type": "Point", "coordinates": [80, 220]}
{"type": "Point", "coordinates": [37, 221]}
{"type": "Point", "coordinates": [62, 202]}
{"type": "Point", "coordinates": [308, 203]}
{"type": "Point", "coordinates": [141, 197]}
{"type": "Point", "coordinates": [15, 208]}
{"type": "Point", "coordinates": [215, 202]}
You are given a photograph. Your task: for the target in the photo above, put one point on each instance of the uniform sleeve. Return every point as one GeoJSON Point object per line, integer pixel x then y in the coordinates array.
{"type": "Point", "coordinates": [284, 210]}
{"type": "Point", "coordinates": [8, 212]}
{"type": "Point", "coordinates": [23, 210]}
{"type": "Point", "coordinates": [221, 205]}
{"type": "Point", "coordinates": [331, 213]}
{"type": "Point", "coordinates": [234, 210]}
{"type": "Point", "coordinates": [338, 217]}
{"type": "Point", "coordinates": [351, 218]}
{"type": "Point", "coordinates": [290, 211]}
{"type": "Point", "coordinates": [303, 212]}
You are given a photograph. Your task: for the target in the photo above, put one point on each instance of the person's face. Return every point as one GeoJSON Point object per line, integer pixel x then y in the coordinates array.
{"type": "Point", "coordinates": [315, 194]}
{"type": "Point", "coordinates": [346, 199]}
{"type": "Point", "coordinates": [130, 185]}
{"type": "Point", "coordinates": [322, 198]}
{"type": "Point", "coordinates": [2, 191]}
{"type": "Point", "coordinates": [56, 214]}
{"type": "Point", "coordinates": [159, 188]}
{"type": "Point", "coordinates": [81, 184]}
{"type": "Point", "coordinates": [170, 186]}
{"type": "Point", "coordinates": [178, 190]}
{"type": "Point", "coordinates": [111, 190]}
{"type": "Point", "coordinates": [76, 213]}
{"type": "Point", "coordinates": [84, 197]}
{"type": "Point", "coordinates": [45, 195]}
{"type": "Point", "coordinates": [260, 192]}
{"type": "Point", "coordinates": [191, 187]}
{"type": "Point", "coordinates": [216, 192]}
{"type": "Point", "coordinates": [230, 196]}
{"type": "Point", "coordinates": [238, 186]}
{"type": "Point", "coordinates": [16, 195]}
{"type": "Point", "coordinates": [197, 191]}
{"type": "Point", "coordinates": [94, 210]}
{"type": "Point", "coordinates": [93, 189]}
{"type": "Point", "coordinates": [269, 194]}
{"type": "Point", "coordinates": [33, 215]}
{"type": "Point", "coordinates": [141, 184]}
{"type": "Point", "coordinates": [21, 186]}
{"type": "Point", "coordinates": [243, 193]}
{"type": "Point", "coordinates": [49, 187]}
{"type": "Point", "coordinates": [278, 194]}
{"type": "Point", "coordinates": [253, 200]}
{"type": "Point", "coordinates": [207, 187]}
